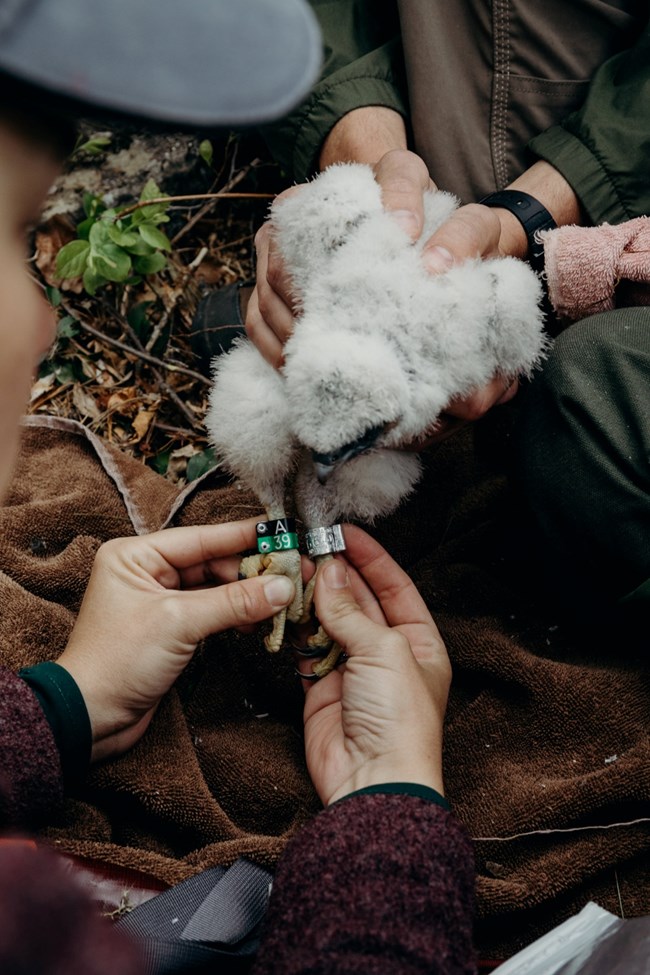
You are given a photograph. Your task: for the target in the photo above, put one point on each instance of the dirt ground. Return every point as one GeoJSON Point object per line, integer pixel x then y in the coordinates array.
{"type": "Point", "coordinates": [122, 363]}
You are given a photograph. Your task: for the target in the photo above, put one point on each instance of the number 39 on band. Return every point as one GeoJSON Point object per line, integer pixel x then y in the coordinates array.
{"type": "Point", "coordinates": [277, 543]}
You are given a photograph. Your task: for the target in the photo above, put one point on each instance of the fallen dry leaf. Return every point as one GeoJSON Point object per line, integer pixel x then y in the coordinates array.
{"type": "Point", "coordinates": [85, 403]}
{"type": "Point", "coordinates": [41, 386]}
{"type": "Point", "coordinates": [124, 401]}
{"type": "Point", "coordinates": [48, 241]}
{"type": "Point", "coordinates": [141, 423]}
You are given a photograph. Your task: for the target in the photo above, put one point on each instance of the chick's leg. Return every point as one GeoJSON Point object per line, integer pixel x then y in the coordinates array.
{"type": "Point", "coordinates": [319, 640]}
{"type": "Point", "coordinates": [284, 562]}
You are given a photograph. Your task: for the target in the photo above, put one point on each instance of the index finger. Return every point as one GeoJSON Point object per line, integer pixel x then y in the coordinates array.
{"type": "Point", "coordinates": [398, 597]}
{"type": "Point", "coordinates": [365, 597]}
{"type": "Point", "coordinates": [198, 544]}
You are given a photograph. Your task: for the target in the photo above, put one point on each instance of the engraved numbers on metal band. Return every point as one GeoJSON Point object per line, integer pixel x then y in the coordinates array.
{"type": "Point", "coordinates": [325, 541]}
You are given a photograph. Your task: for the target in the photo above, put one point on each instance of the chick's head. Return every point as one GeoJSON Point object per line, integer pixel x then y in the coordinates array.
{"type": "Point", "coordinates": [343, 394]}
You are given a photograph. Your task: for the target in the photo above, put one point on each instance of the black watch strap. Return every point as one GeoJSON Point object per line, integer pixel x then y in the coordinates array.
{"type": "Point", "coordinates": [531, 215]}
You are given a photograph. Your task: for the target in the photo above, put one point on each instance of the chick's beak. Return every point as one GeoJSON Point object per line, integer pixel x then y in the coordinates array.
{"type": "Point", "coordinates": [323, 470]}
{"type": "Point", "coordinates": [326, 464]}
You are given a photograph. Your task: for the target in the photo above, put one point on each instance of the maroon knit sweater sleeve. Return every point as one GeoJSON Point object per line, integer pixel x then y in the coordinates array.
{"type": "Point", "coordinates": [50, 926]}
{"type": "Point", "coordinates": [375, 884]}
{"type": "Point", "coordinates": [30, 770]}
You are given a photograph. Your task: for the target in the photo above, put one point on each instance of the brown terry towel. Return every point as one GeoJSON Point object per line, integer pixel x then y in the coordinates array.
{"type": "Point", "coordinates": [594, 269]}
{"type": "Point", "coordinates": [547, 744]}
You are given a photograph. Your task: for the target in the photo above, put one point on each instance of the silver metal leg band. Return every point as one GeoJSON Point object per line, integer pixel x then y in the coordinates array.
{"type": "Point", "coordinates": [324, 541]}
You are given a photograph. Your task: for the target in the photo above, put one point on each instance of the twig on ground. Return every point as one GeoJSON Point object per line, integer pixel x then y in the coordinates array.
{"type": "Point", "coordinates": [141, 353]}
{"type": "Point", "coordinates": [179, 289]}
{"type": "Point", "coordinates": [138, 353]}
{"type": "Point", "coordinates": [219, 195]}
{"type": "Point", "coordinates": [225, 192]}
{"type": "Point", "coordinates": [175, 431]}
{"type": "Point", "coordinates": [36, 404]}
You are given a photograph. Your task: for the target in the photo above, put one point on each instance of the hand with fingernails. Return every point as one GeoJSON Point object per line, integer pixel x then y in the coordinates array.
{"type": "Point", "coordinates": [149, 601]}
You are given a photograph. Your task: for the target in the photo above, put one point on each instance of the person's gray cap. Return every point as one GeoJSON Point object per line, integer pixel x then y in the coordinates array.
{"type": "Point", "coordinates": [199, 62]}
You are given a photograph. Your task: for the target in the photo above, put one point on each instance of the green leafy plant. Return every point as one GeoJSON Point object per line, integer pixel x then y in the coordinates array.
{"type": "Point", "coordinates": [200, 464]}
{"type": "Point", "coordinates": [206, 152]}
{"type": "Point", "coordinates": [115, 248]}
{"type": "Point", "coordinates": [95, 145]}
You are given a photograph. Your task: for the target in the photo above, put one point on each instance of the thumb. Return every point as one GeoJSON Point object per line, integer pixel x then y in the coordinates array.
{"type": "Point", "coordinates": [404, 178]}
{"type": "Point", "coordinates": [473, 231]}
{"type": "Point", "coordinates": [340, 614]}
{"type": "Point", "coordinates": [236, 604]}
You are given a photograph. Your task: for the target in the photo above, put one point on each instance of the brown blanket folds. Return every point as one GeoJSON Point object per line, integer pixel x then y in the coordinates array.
{"type": "Point", "coordinates": [547, 747]}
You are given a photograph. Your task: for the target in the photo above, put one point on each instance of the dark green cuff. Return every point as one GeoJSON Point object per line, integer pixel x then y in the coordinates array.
{"type": "Point", "coordinates": [638, 597]}
{"type": "Point", "coordinates": [66, 713]}
{"type": "Point", "coordinates": [401, 788]}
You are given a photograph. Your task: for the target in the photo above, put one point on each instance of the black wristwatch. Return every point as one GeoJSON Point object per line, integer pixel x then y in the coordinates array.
{"type": "Point", "coordinates": [531, 215]}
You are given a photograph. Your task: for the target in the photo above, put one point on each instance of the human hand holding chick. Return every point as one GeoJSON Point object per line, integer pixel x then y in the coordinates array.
{"type": "Point", "coordinates": [472, 231]}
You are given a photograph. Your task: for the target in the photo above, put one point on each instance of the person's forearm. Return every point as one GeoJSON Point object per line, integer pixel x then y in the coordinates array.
{"type": "Point", "coordinates": [31, 785]}
{"type": "Point", "coordinates": [367, 134]}
{"type": "Point", "coordinates": [547, 185]}
{"type": "Point", "coordinates": [364, 135]}
{"type": "Point", "coordinates": [355, 887]}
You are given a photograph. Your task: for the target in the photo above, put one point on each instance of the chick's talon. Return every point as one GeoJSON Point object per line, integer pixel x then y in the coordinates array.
{"type": "Point", "coordinates": [308, 601]}
{"type": "Point", "coordinates": [285, 563]}
{"type": "Point", "coordinates": [320, 641]}
{"type": "Point", "coordinates": [322, 668]}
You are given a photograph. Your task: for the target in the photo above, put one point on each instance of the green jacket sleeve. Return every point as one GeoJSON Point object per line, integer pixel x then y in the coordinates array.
{"type": "Point", "coordinates": [603, 150]}
{"type": "Point", "coordinates": [363, 65]}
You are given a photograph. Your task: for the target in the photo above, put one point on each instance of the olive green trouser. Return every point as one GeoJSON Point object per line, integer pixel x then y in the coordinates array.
{"type": "Point", "coordinates": [582, 461]}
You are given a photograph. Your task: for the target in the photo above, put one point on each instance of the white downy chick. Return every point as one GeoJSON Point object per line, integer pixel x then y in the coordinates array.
{"type": "Point", "coordinates": [379, 349]}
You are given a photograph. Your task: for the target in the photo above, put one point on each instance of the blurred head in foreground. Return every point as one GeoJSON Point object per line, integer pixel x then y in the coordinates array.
{"type": "Point", "coordinates": [203, 64]}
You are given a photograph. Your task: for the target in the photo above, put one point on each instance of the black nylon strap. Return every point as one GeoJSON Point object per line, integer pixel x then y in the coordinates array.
{"type": "Point", "coordinates": [531, 215]}
{"type": "Point", "coordinates": [207, 923]}
{"type": "Point", "coordinates": [233, 908]}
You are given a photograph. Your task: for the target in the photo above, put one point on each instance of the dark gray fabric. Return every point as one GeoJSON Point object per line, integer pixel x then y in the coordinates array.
{"type": "Point", "coordinates": [207, 923]}
{"type": "Point", "coordinates": [183, 958]}
{"type": "Point", "coordinates": [235, 905]}
{"type": "Point", "coordinates": [167, 915]}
